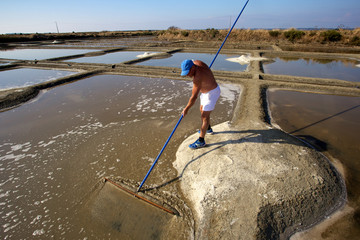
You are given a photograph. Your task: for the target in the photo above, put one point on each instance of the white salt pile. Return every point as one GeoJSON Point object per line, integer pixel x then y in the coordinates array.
{"type": "Point", "coordinates": [245, 59]}
{"type": "Point", "coordinates": [146, 54]}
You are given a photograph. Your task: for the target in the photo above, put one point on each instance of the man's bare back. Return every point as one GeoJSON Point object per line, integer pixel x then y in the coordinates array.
{"type": "Point", "coordinates": [203, 77]}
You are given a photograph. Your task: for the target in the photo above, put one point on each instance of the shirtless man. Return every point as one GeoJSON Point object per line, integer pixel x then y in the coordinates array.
{"type": "Point", "coordinates": [205, 83]}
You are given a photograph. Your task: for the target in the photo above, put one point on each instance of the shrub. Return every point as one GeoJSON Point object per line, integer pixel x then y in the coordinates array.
{"type": "Point", "coordinates": [213, 32]}
{"type": "Point", "coordinates": [162, 32]}
{"type": "Point", "coordinates": [355, 41]}
{"type": "Point", "coordinates": [312, 33]}
{"type": "Point", "coordinates": [274, 33]}
{"type": "Point", "coordinates": [185, 33]}
{"type": "Point", "coordinates": [331, 36]}
{"type": "Point", "coordinates": [293, 35]}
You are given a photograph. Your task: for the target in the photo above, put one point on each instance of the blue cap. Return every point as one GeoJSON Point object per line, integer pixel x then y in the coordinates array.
{"type": "Point", "coordinates": [186, 66]}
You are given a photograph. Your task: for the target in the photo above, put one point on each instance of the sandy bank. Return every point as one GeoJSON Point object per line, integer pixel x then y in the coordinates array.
{"type": "Point", "coordinates": [256, 182]}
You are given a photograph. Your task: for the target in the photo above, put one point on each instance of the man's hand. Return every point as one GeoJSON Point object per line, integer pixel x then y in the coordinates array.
{"type": "Point", "coordinates": [184, 112]}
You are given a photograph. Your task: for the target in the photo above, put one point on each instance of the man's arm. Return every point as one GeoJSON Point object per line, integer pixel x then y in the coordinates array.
{"type": "Point", "coordinates": [194, 94]}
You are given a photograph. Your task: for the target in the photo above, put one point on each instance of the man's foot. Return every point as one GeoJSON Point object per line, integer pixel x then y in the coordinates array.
{"type": "Point", "coordinates": [209, 131]}
{"type": "Point", "coordinates": [197, 144]}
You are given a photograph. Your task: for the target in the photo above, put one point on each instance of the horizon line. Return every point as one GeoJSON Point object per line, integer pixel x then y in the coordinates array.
{"type": "Point", "coordinates": [301, 28]}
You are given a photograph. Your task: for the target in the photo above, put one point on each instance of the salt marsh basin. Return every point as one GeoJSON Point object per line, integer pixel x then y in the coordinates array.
{"type": "Point", "coordinates": [247, 120]}
{"type": "Point", "coordinates": [81, 132]}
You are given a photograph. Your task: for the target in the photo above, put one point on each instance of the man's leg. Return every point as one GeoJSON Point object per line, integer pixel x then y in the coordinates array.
{"type": "Point", "coordinates": [205, 119]}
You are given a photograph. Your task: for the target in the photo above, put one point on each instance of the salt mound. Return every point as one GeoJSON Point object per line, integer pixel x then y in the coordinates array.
{"type": "Point", "coordinates": [146, 54]}
{"type": "Point", "coordinates": [245, 59]}
{"type": "Point", "coordinates": [256, 182]}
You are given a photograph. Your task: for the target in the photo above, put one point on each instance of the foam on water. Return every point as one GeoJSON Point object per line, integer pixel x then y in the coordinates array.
{"type": "Point", "coordinates": [228, 95]}
{"type": "Point", "coordinates": [24, 172]}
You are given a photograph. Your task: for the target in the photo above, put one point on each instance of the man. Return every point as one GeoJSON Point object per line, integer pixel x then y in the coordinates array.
{"type": "Point", "coordinates": [205, 83]}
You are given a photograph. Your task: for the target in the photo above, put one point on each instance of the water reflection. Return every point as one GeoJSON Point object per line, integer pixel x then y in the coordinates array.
{"type": "Point", "coordinates": [40, 54]}
{"type": "Point", "coordinates": [24, 77]}
{"type": "Point", "coordinates": [344, 69]}
{"type": "Point", "coordinates": [110, 58]}
{"type": "Point", "coordinates": [220, 64]}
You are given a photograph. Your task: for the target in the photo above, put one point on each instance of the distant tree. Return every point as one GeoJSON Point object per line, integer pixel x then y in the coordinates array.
{"type": "Point", "coordinates": [173, 28]}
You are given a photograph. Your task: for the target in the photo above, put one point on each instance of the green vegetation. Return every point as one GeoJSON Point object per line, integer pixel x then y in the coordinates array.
{"type": "Point", "coordinates": [213, 32]}
{"type": "Point", "coordinates": [274, 33]}
{"type": "Point", "coordinates": [331, 36]}
{"type": "Point", "coordinates": [185, 33]}
{"type": "Point", "coordinates": [355, 41]}
{"type": "Point", "coordinates": [293, 35]}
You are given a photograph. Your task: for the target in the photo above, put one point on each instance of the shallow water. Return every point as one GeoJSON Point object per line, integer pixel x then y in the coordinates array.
{"type": "Point", "coordinates": [107, 42]}
{"type": "Point", "coordinates": [220, 64]}
{"type": "Point", "coordinates": [40, 54]}
{"type": "Point", "coordinates": [55, 149]}
{"type": "Point", "coordinates": [318, 68]}
{"type": "Point", "coordinates": [331, 124]}
{"type": "Point", "coordinates": [109, 58]}
{"type": "Point", "coordinates": [24, 77]}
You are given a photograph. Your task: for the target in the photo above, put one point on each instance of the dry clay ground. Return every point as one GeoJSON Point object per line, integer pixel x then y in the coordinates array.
{"type": "Point", "coordinates": [252, 181]}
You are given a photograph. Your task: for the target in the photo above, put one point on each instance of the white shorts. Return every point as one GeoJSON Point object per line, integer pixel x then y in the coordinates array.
{"type": "Point", "coordinates": [209, 99]}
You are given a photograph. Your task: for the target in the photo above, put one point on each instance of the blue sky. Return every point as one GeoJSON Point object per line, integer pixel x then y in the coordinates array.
{"type": "Point", "coordinates": [30, 16]}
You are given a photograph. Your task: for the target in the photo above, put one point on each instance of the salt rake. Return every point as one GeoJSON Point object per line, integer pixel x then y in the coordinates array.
{"type": "Point", "coordinates": [174, 212]}
{"type": "Point", "coordinates": [181, 117]}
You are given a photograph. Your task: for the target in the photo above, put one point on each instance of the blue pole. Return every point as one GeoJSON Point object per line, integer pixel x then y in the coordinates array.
{"type": "Point", "coordinates": [228, 34]}
{"type": "Point", "coordinates": [181, 117]}
{"type": "Point", "coordinates": [157, 158]}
